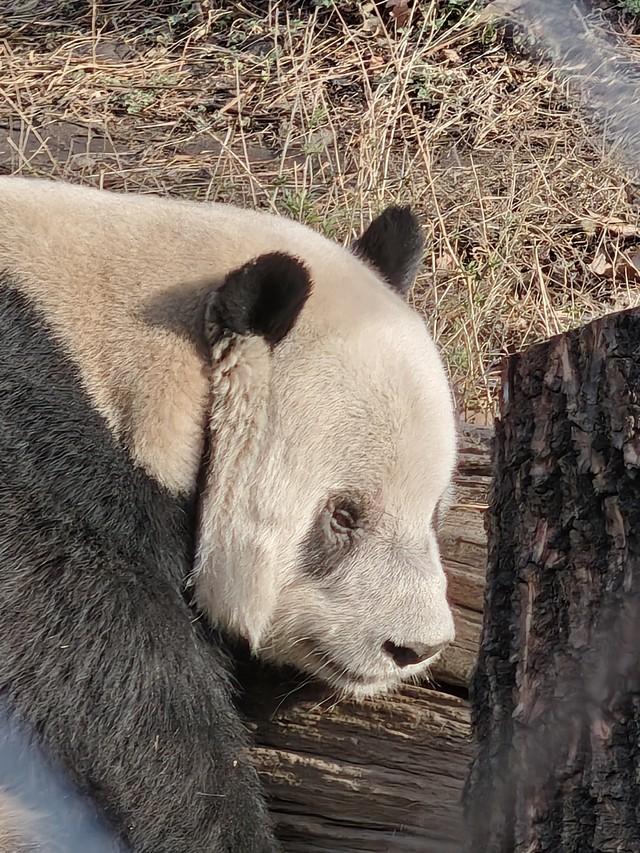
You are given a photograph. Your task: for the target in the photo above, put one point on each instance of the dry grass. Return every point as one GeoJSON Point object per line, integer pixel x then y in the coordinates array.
{"type": "Point", "coordinates": [326, 114]}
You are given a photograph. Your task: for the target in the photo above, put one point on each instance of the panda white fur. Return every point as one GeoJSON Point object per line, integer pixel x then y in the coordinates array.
{"type": "Point", "coordinates": [16, 834]}
{"type": "Point", "coordinates": [198, 397]}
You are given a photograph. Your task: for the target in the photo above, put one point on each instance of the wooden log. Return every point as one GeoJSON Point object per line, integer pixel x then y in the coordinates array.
{"type": "Point", "coordinates": [463, 540]}
{"type": "Point", "coordinates": [384, 775]}
{"type": "Point", "coordinates": [463, 543]}
{"type": "Point", "coordinates": [556, 696]}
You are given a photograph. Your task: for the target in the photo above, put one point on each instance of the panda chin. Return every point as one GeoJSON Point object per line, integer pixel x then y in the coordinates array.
{"type": "Point", "coordinates": [350, 684]}
{"type": "Point", "coordinates": [353, 685]}
{"type": "Point", "coordinates": [359, 691]}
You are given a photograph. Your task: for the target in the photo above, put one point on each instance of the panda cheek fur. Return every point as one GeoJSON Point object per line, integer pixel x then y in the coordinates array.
{"type": "Point", "coordinates": [228, 587]}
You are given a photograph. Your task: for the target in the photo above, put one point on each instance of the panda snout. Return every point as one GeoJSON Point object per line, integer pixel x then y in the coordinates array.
{"type": "Point", "coordinates": [413, 654]}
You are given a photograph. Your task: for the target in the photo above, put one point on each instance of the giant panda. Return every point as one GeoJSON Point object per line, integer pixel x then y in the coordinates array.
{"type": "Point", "coordinates": [209, 416]}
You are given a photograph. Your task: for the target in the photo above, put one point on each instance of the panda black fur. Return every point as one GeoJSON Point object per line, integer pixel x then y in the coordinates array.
{"type": "Point", "coordinates": [132, 355]}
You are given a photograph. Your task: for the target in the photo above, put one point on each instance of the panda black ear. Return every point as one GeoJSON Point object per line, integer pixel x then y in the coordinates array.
{"type": "Point", "coordinates": [264, 297]}
{"type": "Point", "coordinates": [393, 244]}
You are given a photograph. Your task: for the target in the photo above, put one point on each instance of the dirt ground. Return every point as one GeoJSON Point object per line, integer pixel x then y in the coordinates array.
{"type": "Point", "coordinates": [327, 111]}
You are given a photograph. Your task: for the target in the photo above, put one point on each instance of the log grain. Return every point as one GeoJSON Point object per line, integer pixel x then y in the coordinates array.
{"type": "Point", "coordinates": [463, 543]}
{"type": "Point", "coordinates": [381, 776]}
{"type": "Point", "coordinates": [556, 695]}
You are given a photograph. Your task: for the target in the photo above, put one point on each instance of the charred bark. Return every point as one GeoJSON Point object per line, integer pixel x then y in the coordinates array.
{"type": "Point", "coordinates": [556, 693]}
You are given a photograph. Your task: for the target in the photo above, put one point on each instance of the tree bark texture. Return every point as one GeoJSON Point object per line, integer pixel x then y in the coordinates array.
{"type": "Point", "coordinates": [556, 693]}
{"type": "Point", "coordinates": [384, 776]}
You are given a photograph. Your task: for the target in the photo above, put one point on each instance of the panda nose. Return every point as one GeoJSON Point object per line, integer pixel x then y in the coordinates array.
{"type": "Point", "coordinates": [411, 655]}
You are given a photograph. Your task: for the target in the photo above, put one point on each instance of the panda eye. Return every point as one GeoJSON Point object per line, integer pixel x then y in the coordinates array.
{"type": "Point", "coordinates": [342, 520]}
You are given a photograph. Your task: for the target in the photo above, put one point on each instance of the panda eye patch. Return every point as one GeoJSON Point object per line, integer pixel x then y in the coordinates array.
{"type": "Point", "coordinates": [334, 531]}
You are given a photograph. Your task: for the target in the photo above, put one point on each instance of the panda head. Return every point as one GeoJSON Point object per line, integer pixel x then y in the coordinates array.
{"type": "Point", "coordinates": [331, 447]}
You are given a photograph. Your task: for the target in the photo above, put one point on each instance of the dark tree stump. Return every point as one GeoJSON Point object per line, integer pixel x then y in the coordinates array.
{"type": "Point", "coordinates": [556, 693]}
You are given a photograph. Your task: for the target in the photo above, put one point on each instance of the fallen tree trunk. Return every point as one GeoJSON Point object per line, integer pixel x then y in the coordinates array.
{"type": "Point", "coordinates": [556, 701]}
{"type": "Point", "coordinates": [386, 775]}
{"type": "Point", "coordinates": [383, 776]}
